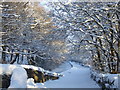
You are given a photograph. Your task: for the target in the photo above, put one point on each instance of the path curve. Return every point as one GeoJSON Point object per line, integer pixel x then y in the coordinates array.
{"type": "Point", "coordinates": [76, 77]}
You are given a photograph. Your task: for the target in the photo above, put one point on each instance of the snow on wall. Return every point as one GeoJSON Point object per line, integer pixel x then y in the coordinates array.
{"type": "Point", "coordinates": [41, 69]}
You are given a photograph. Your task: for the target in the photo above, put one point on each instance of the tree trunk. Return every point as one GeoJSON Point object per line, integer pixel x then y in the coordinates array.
{"type": "Point", "coordinates": [118, 17]}
{"type": "Point", "coordinates": [17, 55]}
{"type": "Point", "coordinates": [22, 57]}
{"type": "Point", "coordinates": [11, 57]}
{"type": "Point", "coordinates": [3, 53]}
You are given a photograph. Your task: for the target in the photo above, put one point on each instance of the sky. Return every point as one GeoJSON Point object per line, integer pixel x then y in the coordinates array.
{"type": "Point", "coordinates": [44, 2]}
{"type": "Point", "coordinates": [59, 0]}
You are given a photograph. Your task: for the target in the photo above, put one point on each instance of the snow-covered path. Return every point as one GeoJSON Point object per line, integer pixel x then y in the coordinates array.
{"type": "Point", "coordinates": [76, 77]}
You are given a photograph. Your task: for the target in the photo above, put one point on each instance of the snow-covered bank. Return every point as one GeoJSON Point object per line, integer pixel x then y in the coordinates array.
{"type": "Point", "coordinates": [8, 69]}
{"type": "Point", "coordinates": [19, 75]}
{"type": "Point", "coordinates": [19, 78]}
{"type": "Point", "coordinates": [76, 77]}
{"type": "Point", "coordinates": [105, 80]}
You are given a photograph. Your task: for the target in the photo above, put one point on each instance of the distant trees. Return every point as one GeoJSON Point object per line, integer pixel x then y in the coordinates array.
{"type": "Point", "coordinates": [30, 36]}
{"type": "Point", "coordinates": [93, 28]}
{"type": "Point", "coordinates": [73, 30]}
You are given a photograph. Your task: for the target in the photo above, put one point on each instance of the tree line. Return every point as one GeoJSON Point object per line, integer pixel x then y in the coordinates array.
{"type": "Point", "coordinates": [94, 32]}
{"type": "Point", "coordinates": [30, 34]}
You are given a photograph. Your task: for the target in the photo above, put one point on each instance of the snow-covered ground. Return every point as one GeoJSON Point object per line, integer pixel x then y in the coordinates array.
{"type": "Point", "coordinates": [19, 78]}
{"type": "Point", "coordinates": [110, 80]}
{"type": "Point", "coordinates": [19, 75]}
{"type": "Point", "coordinates": [63, 67]}
{"type": "Point", "coordinates": [76, 77]}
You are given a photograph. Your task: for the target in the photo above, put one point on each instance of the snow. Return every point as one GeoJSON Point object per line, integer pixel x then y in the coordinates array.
{"type": "Point", "coordinates": [6, 68]}
{"type": "Point", "coordinates": [32, 67]}
{"type": "Point", "coordinates": [19, 75]}
{"type": "Point", "coordinates": [30, 83]}
{"type": "Point", "coordinates": [41, 69]}
{"type": "Point", "coordinates": [63, 67]}
{"type": "Point", "coordinates": [107, 77]}
{"type": "Point", "coordinates": [113, 77]}
{"type": "Point", "coordinates": [76, 77]}
{"type": "Point", "coordinates": [19, 78]}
